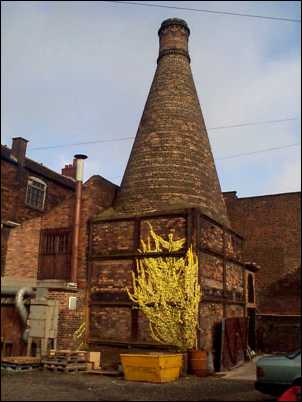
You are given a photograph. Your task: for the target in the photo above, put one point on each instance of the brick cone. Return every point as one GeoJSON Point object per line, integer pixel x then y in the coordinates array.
{"type": "Point", "coordinates": [171, 163]}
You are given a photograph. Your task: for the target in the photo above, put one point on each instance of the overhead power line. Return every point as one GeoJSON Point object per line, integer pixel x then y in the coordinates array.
{"type": "Point", "coordinates": [256, 123]}
{"type": "Point", "coordinates": [258, 152]}
{"type": "Point", "coordinates": [242, 154]}
{"type": "Point", "coordinates": [200, 10]}
{"type": "Point", "coordinates": [130, 138]}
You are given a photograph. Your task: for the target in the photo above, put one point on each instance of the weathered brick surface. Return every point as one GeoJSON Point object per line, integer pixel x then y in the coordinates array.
{"type": "Point", "coordinates": [23, 250]}
{"type": "Point", "coordinates": [211, 236]}
{"type": "Point", "coordinates": [171, 162]}
{"type": "Point", "coordinates": [272, 229]}
{"type": "Point", "coordinates": [8, 190]}
{"type": "Point", "coordinates": [209, 315]}
{"type": "Point", "coordinates": [144, 332]}
{"type": "Point", "coordinates": [234, 277]}
{"type": "Point", "coordinates": [211, 267]}
{"type": "Point", "coordinates": [119, 320]}
{"type": "Point", "coordinates": [113, 236]}
{"type": "Point", "coordinates": [13, 193]}
{"type": "Point", "coordinates": [234, 246]}
{"type": "Point", "coordinates": [278, 333]}
{"type": "Point", "coordinates": [162, 226]}
{"type": "Point", "coordinates": [69, 320]}
{"type": "Point", "coordinates": [285, 293]}
{"type": "Point", "coordinates": [112, 276]}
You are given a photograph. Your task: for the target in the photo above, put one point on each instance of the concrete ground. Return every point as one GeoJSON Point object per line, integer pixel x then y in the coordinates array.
{"type": "Point", "coordinates": [245, 372]}
{"type": "Point", "coordinates": [237, 385]}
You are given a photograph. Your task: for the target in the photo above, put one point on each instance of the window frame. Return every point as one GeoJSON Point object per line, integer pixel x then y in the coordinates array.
{"type": "Point", "coordinates": [30, 184]}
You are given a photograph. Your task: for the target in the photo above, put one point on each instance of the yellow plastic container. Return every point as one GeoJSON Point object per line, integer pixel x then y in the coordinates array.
{"type": "Point", "coordinates": [155, 367]}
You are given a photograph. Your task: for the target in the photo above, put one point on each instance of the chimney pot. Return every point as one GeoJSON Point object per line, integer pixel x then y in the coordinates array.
{"type": "Point", "coordinates": [79, 166]}
{"type": "Point", "coordinates": [18, 151]}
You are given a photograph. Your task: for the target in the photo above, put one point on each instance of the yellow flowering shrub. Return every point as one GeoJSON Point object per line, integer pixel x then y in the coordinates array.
{"type": "Point", "coordinates": [79, 341]}
{"type": "Point", "coordinates": [166, 290]}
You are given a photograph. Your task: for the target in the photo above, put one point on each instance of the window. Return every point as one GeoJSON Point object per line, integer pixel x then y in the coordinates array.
{"type": "Point", "coordinates": [36, 192]}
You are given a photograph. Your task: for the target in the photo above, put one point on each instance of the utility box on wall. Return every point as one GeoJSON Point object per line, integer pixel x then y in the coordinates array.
{"type": "Point", "coordinates": [43, 317]}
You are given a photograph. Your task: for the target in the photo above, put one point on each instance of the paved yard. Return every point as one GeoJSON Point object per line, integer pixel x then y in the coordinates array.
{"type": "Point", "coordinates": [48, 386]}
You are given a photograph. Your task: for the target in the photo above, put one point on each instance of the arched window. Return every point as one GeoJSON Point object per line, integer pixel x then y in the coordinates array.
{"type": "Point", "coordinates": [250, 289]}
{"type": "Point", "coordinates": [36, 193]}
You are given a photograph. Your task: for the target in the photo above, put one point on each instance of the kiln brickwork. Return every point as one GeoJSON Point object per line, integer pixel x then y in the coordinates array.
{"type": "Point", "coordinates": [170, 182]}
{"type": "Point", "coordinates": [221, 274]}
{"type": "Point", "coordinates": [171, 160]}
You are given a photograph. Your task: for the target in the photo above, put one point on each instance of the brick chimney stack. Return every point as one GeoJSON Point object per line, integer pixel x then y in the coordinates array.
{"type": "Point", "coordinates": [18, 151]}
{"type": "Point", "coordinates": [70, 170]}
{"type": "Point", "coordinates": [171, 163]}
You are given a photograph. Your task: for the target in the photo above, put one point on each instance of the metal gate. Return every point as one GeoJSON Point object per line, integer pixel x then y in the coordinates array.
{"type": "Point", "coordinates": [55, 254]}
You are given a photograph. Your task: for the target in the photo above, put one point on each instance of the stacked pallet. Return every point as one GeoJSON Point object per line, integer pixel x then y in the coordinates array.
{"type": "Point", "coordinates": [66, 361]}
{"type": "Point", "coordinates": [20, 363]}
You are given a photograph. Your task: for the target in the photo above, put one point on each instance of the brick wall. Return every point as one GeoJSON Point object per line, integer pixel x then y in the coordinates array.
{"type": "Point", "coordinates": [69, 320]}
{"type": "Point", "coordinates": [13, 193]}
{"type": "Point", "coordinates": [271, 226]}
{"type": "Point", "coordinates": [23, 249]}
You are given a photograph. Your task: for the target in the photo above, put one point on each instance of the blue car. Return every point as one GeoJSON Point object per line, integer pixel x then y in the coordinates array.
{"type": "Point", "coordinates": [277, 373]}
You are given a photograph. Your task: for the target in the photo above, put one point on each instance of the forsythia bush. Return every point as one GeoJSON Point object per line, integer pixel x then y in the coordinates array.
{"type": "Point", "coordinates": [166, 290]}
{"type": "Point", "coordinates": [79, 337]}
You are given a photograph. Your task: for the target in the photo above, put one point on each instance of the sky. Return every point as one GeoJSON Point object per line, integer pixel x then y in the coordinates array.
{"type": "Point", "coordinates": [81, 71]}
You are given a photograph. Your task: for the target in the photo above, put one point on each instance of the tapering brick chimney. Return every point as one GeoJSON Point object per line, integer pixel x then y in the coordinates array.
{"type": "Point", "coordinates": [171, 163]}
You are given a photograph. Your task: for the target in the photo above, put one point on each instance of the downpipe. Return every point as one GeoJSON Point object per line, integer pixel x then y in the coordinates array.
{"type": "Point", "coordinates": [20, 295]}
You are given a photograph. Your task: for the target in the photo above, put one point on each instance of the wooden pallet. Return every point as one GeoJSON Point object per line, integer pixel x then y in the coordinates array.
{"type": "Point", "coordinates": [66, 368]}
{"type": "Point", "coordinates": [65, 360]}
{"type": "Point", "coordinates": [21, 360]}
{"type": "Point", "coordinates": [67, 353]}
{"type": "Point", "coordinates": [20, 367]}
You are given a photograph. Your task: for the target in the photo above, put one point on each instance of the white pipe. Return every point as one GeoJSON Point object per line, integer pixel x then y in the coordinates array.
{"type": "Point", "coordinates": [20, 293]}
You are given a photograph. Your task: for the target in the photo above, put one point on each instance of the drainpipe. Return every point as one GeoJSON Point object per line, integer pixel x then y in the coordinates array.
{"type": "Point", "coordinates": [79, 162]}
{"type": "Point", "coordinates": [20, 293]}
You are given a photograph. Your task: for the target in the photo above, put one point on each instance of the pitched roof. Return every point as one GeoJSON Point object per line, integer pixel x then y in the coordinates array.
{"type": "Point", "coordinates": [38, 169]}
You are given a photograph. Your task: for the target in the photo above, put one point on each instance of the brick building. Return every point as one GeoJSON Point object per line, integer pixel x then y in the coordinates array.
{"type": "Point", "coordinates": [271, 226]}
{"type": "Point", "coordinates": [37, 225]}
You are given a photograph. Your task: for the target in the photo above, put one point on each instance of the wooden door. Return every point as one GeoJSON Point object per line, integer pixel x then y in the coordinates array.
{"type": "Point", "coordinates": [233, 342]}
{"type": "Point", "coordinates": [55, 254]}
